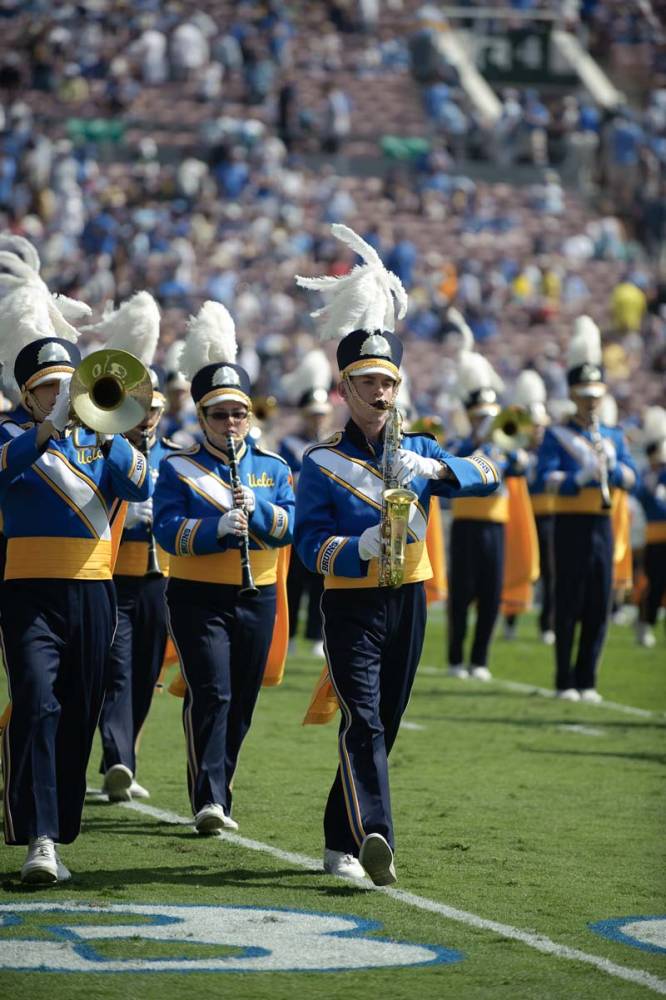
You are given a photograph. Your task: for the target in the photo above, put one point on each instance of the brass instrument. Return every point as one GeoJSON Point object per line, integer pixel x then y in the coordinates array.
{"type": "Point", "coordinates": [248, 585]}
{"type": "Point", "coordinates": [512, 428]}
{"type": "Point", "coordinates": [111, 391]}
{"type": "Point", "coordinates": [396, 504]}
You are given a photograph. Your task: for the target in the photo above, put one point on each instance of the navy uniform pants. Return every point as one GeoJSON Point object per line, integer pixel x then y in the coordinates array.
{"type": "Point", "coordinates": [654, 564]}
{"type": "Point", "coordinates": [373, 640]}
{"type": "Point", "coordinates": [135, 662]}
{"type": "Point", "coordinates": [56, 639]}
{"type": "Point", "coordinates": [476, 568]}
{"type": "Point", "coordinates": [301, 581]}
{"type": "Point", "coordinates": [583, 590]}
{"type": "Point", "coordinates": [222, 640]}
{"type": "Point", "coordinates": [545, 526]}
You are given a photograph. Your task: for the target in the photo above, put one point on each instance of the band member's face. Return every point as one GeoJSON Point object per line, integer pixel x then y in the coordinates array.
{"type": "Point", "coordinates": [148, 425]}
{"type": "Point", "coordinates": [40, 400]}
{"type": "Point", "coordinates": [177, 399]}
{"type": "Point", "coordinates": [221, 419]}
{"type": "Point", "coordinates": [587, 407]}
{"type": "Point", "coordinates": [315, 426]}
{"type": "Point", "coordinates": [376, 390]}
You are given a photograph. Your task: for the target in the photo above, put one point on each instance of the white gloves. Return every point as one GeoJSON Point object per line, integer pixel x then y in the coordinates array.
{"type": "Point", "coordinates": [140, 512]}
{"type": "Point", "coordinates": [369, 543]}
{"type": "Point", "coordinates": [407, 465]}
{"type": "Point", "coordinates": [611, 453]}
{"type": "Point", "coordinates": [245, 497]}
{"type": "Point", "coordinates": [588, 472]}
{"type": "Point", "coordinates": [59, 415]}
{"type": "Point", "coordinates": [234, 522]}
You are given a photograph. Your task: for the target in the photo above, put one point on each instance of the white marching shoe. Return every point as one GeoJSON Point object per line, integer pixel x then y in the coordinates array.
{"type": "Point", "coordinates": [376, 857]}
{"type": "Point", "coordinates": [137, 791]}
{"type": "Point", "coordinates": [343, 865]}
{"type": "Point", "coordinates": [41, 865]}
{"type": "Point", "coordinates": [457, 670]}
{"type": "Point", "coordinates": [548, 637]}
{"type": "Point", "coordinates": [645, 636]}
{"type": "Point", "coordinates": [568, 694]}
{"type": "Point", "coordinates": [318, 649]}
{"type": "Point", "coordinates": [480, 673]}
{"type": "Point", "coordinates": [590, 695]}
{"type": "Point", "coordinates": [117, 783]}
{"type": "Point", "coordinates": [212, 819]}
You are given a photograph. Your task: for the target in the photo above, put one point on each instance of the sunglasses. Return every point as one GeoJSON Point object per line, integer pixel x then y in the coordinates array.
{"type": "Point", "coordinates": [232, 415]}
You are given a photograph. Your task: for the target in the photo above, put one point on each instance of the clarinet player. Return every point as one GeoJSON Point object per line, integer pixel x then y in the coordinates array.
{"type": "Point", "coordinates": [581, 463]}
{"type": "Point", "coordinates": [221, 614]}
{"type": "Point", "coordinates": [373, 634]}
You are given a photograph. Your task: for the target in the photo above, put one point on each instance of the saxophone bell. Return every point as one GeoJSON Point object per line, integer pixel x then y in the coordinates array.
{"type": "Point", "coordinates": [396, 506]}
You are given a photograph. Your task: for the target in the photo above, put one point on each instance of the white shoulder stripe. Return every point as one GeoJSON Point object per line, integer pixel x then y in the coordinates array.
{"type": "Point", "coordinates": [203, 482]}
{"type": "Point", "coordinates": [76, 490]}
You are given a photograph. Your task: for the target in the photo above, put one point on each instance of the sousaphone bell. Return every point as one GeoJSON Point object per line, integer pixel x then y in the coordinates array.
{"type": "Point", "coordinates": [111, 391]}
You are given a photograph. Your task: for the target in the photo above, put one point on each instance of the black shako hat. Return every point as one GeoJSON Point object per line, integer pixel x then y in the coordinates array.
{"type": "Point", "coordinates": [45, 359]}
{"type": "Point", "coordinates": [220, 382]}
{"type": "Point", "coordinates": [363, 353]}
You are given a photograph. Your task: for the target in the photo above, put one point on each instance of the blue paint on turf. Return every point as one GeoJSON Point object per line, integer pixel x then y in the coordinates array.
{"type": "Point", "coordinates": [612, 929]}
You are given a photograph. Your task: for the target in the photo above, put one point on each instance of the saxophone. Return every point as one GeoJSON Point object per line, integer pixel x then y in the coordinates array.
{"type": "Point", "coordinates": [396, 503]}
{"type": "Point", "coordinates": [598, 445]}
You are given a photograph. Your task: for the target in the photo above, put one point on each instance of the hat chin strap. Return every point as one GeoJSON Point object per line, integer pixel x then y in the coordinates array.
{"type": "Point", "coordinates": [368, 411]}
{"type": "Point", "coordinates": [29, 401]}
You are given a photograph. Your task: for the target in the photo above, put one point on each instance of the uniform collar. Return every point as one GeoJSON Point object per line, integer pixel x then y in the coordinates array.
{"type": "Point", "coordinates": [222, 455]}
{"type": "Point", "coordinates": [360, 441]}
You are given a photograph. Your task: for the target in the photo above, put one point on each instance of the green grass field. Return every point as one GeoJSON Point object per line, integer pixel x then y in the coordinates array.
{"type": "Point", "coordinates": [514, 813]}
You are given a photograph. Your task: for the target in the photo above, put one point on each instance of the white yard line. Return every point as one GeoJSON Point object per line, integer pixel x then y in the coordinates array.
{"type": "Point", "coordinates": [583, 730]}
{"type": "Point", "coordinates": [415, 726]}
{"type": "Point", "coordinates": [536, 941]}
{"type": "Point", "coordinates": [644, 713]}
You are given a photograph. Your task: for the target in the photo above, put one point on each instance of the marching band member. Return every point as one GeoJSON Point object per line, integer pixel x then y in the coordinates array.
{"type": "Point", "coordinates": [221, 630]}
{"type": "Point", "coordinates": [60, 492]}
{"type": "Point", "coordinates": [373, 635]}
{"type": "Point", "coordinates": [179, 422]}
{"type": "Point", "coordinates": [308, 387]}
{"type": "Point", "coordinates": [476, 562]}
{"type": "Point", "coordinates": [529, 395]}
{"type": "Point", "coordinates": [140, 638]}
{"type": "Point", "coordinates": [652, 496]}
{"type": "Point", "coordinates": [581, 463]}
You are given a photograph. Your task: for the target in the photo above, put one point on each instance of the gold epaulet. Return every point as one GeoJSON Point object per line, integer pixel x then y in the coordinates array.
{"type": "Point", "coordinates": [271, 454]}
{"type": "Point", "coordinates": [192, 450]}
{"type": "Point", "coordinates": [169, 443]}
{"type": "Point", "coordinates": [330, 442]}
{"type": "Point", "coordinates": [419, 434]}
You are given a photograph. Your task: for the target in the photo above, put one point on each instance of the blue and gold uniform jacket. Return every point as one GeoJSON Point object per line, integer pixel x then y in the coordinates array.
{"type": "Point", "coordinates": [652, 496]}
{"type": "Point", "coordinates": [60, 502]}
{"type": "Point", "coordinates": [564, 451]}
{"type": "Point", "coordinates": [480, 508]}
{"type": "Point", "coordinates": [340, 495]}
{"type": "Point", "coordinates": [133, 552]}
{"type": "Point", "coordinates": [192, 492]}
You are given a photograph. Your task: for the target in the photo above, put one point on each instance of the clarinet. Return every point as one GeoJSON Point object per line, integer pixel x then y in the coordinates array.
{"type": "Point", "coordinates": [153, 569]}
{"type": "Point", "coordinates": [597, 441]}
{"type": "Point", "coordinates": [247, 583]}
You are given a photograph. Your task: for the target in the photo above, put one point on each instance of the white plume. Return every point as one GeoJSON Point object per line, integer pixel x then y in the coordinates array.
{"type": "Point", "coordinates": [134, 326]}
{"type": "Point", "coordinates": [529, 389]}
{"type": "Point", "coordinates": [71, 309]}
{"type": "Point", "coordinates": [360, 300]}
{"type": "Point", "coordinates": [22, 248]}
{"type": "Point", "coordinates": [172, 357]}
{"type": "Point", "coordinates": [476, 372]}
{"type": "Point", "coordinates": [25, 316]}
{"type": "Point", "coordinates": [314, 372]}
{"type": "Point", "coordinates": [608, 414]}
{"type": "Point", "coordinates": [654, 424]}
{"type": "Point", "coordinates": [463, 328]}
{"type": "Point", "coordinates": [211, 337]}
{"type": "Point", "coordinates": [585, 344]}
{"type": "Point", "coordinates": [16, 273]}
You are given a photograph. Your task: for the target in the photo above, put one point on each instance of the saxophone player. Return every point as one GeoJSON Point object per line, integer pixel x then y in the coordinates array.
{"type": "Point", "coordinates": [373, 635]}
{"type": "Point", "coordinates": [221, 628]}
{"type": "Point", "coordinates": [580, 463]}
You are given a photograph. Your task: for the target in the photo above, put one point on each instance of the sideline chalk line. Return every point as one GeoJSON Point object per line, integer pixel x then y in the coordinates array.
{"type": "Point", "coordinates": [537, 941]}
